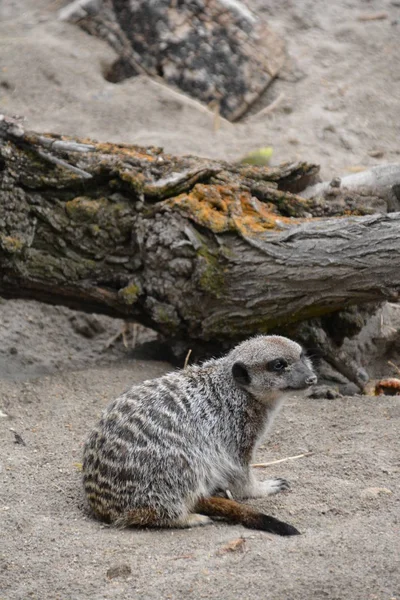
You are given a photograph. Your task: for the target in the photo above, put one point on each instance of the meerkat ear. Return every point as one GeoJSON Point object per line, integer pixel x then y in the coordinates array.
{"type": "Point", "coordinates": [241, 374]}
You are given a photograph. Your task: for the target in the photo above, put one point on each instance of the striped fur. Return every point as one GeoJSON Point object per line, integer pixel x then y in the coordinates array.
{"type": "Point", "coordinates": [167, 444]}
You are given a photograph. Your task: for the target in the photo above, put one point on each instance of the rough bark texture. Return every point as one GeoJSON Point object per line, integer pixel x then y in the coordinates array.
{"type": "Point", "coordinates": [377, 188]}
{"type": "Point", "coordinates": [213, 50]}
{"type": "Point", "coordinates": [193, 248]}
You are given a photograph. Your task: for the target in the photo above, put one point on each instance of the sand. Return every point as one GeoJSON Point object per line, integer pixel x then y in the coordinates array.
{"type": "Point", "coordinates": [344, 499]}
{"type": "Point", "coordinates": [338, 106]}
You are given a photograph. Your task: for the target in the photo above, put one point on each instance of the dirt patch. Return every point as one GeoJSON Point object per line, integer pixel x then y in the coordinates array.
{"type": "Point", "coordinates": [38, 339]}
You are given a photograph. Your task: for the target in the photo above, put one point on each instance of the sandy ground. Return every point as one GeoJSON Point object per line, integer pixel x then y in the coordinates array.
{"type": "Point", "coordinates": [51, 548]}
{"type": "Point", "coordinates": [339, 106]}
{"type": "Point", "coordinates": [339, 91]}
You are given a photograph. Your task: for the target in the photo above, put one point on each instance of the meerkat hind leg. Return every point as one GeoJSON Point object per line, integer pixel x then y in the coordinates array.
{"type": "Point", "coordinates": [191, 520]}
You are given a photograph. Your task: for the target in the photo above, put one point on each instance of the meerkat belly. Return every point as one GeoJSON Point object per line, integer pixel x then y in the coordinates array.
{"type": "Point", "coordinates": [262, 434]}
{"type": "Point", "coordinates": [218, 472]}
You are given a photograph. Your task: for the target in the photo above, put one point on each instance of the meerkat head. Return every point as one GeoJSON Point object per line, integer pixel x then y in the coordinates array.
{"type": "Point", "coordinates": [268, 366]}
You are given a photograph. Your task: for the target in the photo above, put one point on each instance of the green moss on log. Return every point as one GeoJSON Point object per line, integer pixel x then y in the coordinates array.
{"type": "Point", "coordinates": [45, 267]}
{"type": "Point", "coordinates": [11, 245]}
{"type": "Point", "coordinates": [83, 209]}
{"type": "Point", "coordinates": [165, 316]}
{"type": "Point", "coordinates": [129, 294]}
{"type": "Point", "coordinates": [211, 279]}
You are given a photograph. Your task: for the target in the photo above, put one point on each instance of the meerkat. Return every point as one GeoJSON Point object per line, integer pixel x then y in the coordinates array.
{"type": "Point", "coordinates": [164, 449]}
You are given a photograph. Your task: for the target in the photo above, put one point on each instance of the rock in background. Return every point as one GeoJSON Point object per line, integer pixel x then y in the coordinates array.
{"type": "Point", "coordinates": [216, 51]}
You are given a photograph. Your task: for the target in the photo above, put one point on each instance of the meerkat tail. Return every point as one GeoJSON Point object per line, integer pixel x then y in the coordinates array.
{"type": "Point", "coordinates": [245, 515]}
{"type": "Point", "coordinates": [139, 517]}
{"type": "Point", "coordinates": [143, 517]}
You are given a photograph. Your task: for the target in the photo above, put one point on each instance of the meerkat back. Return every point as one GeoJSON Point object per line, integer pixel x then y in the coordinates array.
{"type": "Point", "coordinates": [140, 460]}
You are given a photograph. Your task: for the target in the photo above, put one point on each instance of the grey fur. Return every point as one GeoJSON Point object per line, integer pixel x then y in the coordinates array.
{"type": "Point", "coordinates": [167, 442]}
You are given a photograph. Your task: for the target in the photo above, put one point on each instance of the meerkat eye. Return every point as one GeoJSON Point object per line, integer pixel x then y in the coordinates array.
{"type": "Point", "coordinates": [277, 365]}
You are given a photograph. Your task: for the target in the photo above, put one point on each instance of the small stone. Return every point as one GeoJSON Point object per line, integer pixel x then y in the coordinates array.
{"type": "Point", "coordinates": [376, 153]}
{"type": "Point", "coordinates": [349, 389]}
{"type": "Point", "coordinates": [86, 325]}
{"type": "Point", "coordinates": [324, 391]}
{"type": "Point", "coordinates": [18, 439]}
{"type": "Point", "coordinates": [374, 492]}
{"type": "Point", "coordinates": [122, 571]}
{"type": "Point", "coordinates": [336, 182]}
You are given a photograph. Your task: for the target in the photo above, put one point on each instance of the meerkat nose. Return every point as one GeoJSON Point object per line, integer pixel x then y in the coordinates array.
{"type": "Point", "coordinates": [312, 380]}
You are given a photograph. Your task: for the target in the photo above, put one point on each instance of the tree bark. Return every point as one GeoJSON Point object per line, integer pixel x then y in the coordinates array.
{"type": "Point", "coordinates": [196, 249]}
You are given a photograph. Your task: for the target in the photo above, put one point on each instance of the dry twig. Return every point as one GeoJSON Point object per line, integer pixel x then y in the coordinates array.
{"type": "Point", "coordinates": [280, 460]}
{"type": "Point", "coordinates": [238, 545]}
{"type": "Point", "coordinates": [379, 16]}
{"type": "Point", "coordinates": [395, 367]}
{"type": "Point", "coordinates": [268, 109]}
{"type": "Point", "coordinates": [187, 358]}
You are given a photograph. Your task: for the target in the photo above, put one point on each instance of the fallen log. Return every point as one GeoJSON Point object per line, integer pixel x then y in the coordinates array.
{"type": "Point", "coordinates": [199, 250]}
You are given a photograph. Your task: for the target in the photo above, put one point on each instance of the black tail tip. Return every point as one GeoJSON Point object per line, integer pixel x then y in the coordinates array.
{"type": "Point", "coordinates": [287, 529]}
{"type": "Point", "coordinates": [267, 523]}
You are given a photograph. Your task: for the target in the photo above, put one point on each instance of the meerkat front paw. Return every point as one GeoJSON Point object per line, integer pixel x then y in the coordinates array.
{"type": "Point", "coordinates": [270, 487]}
{"type": "Point", "coordinates": [276, 485]}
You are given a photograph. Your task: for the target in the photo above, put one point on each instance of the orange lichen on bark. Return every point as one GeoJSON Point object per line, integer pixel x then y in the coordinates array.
{"type": "Point", "coordinates": [83, 208]}
{"type": "Point", "coordinates": [125, 150]}
{"type": "Point", "coordinates": [223, 208]}
{"type": "Point", "coordinates": [140, 153]}
{"type": "Point", "coordinates": [388, 387]}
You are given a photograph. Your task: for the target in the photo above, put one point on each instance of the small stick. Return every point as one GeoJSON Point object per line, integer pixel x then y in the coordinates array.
{"type": "Point", "coordinates": [394, 366]}
{"type": "Point", "coordinates": [187, 358]}
{"type": "Point", "coordinates": [280, 460]}
{"type": "Point", "coordinates": [267, 109]}
{"type": "Point", "coordinates": [217, 117]}
{"type": "Point", "coordinates": [59, 488]}
{"type": "Point", "coordinates": [373, 16]}
{"type": "Point", "coordinates": [63, 163]}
